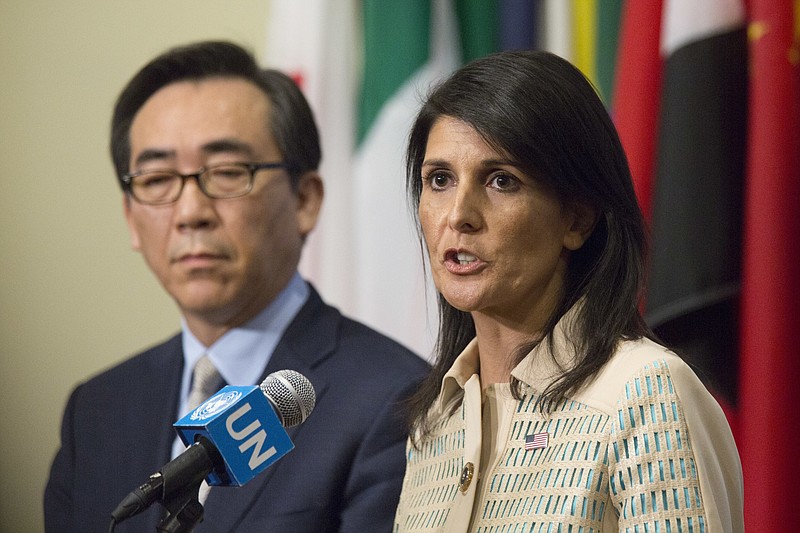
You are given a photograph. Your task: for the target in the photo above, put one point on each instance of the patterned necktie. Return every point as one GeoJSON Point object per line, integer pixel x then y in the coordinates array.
{"type": "Point", "coordinates": [206, 380]}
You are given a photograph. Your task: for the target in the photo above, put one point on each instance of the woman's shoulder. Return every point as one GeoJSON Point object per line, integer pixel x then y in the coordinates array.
{"type": "Point", "coordinates": [651, 393]}
{"type": "Point", "coordinates": [640, 364]}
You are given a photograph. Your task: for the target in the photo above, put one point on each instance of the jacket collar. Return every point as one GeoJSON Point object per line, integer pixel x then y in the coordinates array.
{"type": "Point", "coordinates": [538, 369]}
{"type": "Point", "coordinates": [301, 349]}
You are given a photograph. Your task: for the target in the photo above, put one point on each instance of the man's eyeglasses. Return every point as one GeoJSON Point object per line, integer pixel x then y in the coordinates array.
{"type": "Point", "coordinates": [161, 187]}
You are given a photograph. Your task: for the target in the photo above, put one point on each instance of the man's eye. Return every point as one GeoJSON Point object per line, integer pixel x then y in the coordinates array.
{"type": "Point", "coordinates": [229, 173]}
{"type": "Point", "coordinates": [155, 180]}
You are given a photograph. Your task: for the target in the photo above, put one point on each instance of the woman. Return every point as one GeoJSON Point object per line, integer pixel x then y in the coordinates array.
{"type": "Point", "coordinates": [550, 406]}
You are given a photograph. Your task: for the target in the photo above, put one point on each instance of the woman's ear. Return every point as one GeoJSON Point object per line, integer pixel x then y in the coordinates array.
{"type": "Point", "coordinates": [584, 218]}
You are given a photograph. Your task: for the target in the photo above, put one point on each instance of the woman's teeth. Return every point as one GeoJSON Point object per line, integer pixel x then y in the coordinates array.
{"type": "Point", "coordinates": [465, 259]}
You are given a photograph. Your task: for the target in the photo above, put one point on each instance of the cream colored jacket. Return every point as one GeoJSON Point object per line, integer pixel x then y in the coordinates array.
{"type": "Point", "coordinates": [643, 447]}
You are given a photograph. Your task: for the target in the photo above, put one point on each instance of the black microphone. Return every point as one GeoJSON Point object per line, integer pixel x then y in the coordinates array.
{"type": "Point", "coordinates": [220, 432]}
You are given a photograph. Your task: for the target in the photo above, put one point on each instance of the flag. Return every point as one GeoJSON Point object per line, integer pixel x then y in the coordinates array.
{"type": "Point", "coordinates": [517, 19]}
{"type": "Point", "coordinates": [365, 67]}
{"type": "Point", "coordinates": [680, 106]}
{"type": "Point", "coordinates": [318, 43]}
{"type": "Point", "coordinates": [608, 21]}
{"type": "Point", "coordinates": [724, 204]}
{"type": "Point", "coordinates": [713, 150]}
{"type": "Point", "coordinates": [407, 49]}
{"type": "Point", "coordinates": [536, 441]}
{"type": "Point", "coordinates": [769, 432]}
{"type": "Point", "coordinates": [584, 36]}
{"type": "Point", "coordinates": [695, 272]}
{"type": "Point", "coordinates": [557, 19]}
{"type": "Point", "coordinates": [637, 92]}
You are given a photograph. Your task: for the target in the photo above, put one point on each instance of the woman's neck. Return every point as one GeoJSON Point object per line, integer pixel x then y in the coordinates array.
{"type": "Point", "coordinates": [498, 343]}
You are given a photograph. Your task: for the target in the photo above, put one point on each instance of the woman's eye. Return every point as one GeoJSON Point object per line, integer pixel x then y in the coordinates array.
{"type": "Point", "coordinates": [438, 180]}
{"type": "Point", "coordinates": [503, 182]}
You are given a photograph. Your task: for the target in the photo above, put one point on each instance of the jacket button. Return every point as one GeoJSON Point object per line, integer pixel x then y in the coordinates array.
{"type": "Point", "coordinates": [466, 478]}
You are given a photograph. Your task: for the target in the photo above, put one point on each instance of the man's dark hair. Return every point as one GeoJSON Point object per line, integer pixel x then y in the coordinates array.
{"type": "Point", "coordinates": [547, 117]}
{"type": "Point", "coordinates": [291, 121]}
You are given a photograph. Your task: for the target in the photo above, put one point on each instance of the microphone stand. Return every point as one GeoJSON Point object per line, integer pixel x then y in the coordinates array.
{"type": "Point", "coordinates": [184, 511]}
{"type": "Point", "coordinates": [183, 508]}
{"type": "Point", "coordinates": [176, 486]}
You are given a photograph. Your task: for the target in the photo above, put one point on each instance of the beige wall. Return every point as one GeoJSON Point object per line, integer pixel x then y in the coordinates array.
{"type": "Point", "coordinates": [74, 298]}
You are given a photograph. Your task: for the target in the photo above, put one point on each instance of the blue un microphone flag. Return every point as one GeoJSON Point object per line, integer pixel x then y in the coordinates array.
{"type": "Point", "coordinates": [242, 425]}
{"type": "Point", "coordinates": [232, 437]}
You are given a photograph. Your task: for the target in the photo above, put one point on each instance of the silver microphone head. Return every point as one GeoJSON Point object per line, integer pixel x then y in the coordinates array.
{"type": "Point", "coordinates": [291, 394]}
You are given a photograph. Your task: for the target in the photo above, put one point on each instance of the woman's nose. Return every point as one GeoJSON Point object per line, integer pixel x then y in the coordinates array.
{"type": "Point", "coordinates": [465, 210]}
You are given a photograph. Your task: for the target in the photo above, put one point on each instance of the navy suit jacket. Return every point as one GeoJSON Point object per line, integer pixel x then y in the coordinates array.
{"type": "Point", "coordinates": [344, 474]}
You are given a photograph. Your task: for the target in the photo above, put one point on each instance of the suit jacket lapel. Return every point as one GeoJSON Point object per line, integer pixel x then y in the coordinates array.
{"type": "Point", "coordinates": [310, 339]}
{"type": "Point", "coordinates": [165, 407]}
{"type": "Point", "coordinates": [151, 421]}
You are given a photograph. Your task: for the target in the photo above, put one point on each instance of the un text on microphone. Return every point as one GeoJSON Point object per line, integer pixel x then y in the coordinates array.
{"type": "Point", "coordinates": [244, 428]}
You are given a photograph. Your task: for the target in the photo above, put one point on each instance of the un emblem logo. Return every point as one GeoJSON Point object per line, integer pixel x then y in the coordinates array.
{"type": "Point", "coordinates": [215, 404]}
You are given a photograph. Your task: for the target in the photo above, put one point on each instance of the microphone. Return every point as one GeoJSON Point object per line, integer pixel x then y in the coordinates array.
{"type": "Point", "coordinates": [231, 437]}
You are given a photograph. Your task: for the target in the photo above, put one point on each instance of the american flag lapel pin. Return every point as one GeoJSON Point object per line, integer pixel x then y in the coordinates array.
{"type": "Point", "coordinates": [537, 441]}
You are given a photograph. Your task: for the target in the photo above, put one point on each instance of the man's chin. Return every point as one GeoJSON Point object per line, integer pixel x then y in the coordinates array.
{"type": "Point", "coordinates": [203, 297]}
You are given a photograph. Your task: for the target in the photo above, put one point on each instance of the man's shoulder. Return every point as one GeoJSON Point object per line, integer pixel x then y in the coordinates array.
{"type": "Point", "coordinates": [152, 361]}
{"type": "Point", "coordinates": [385, 350]}
{"type": "Point", "coordinates": [358, 347]}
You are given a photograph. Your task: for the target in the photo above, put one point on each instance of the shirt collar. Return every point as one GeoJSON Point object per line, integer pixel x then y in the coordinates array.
{"type": "Point", "coordinates": [464, 367]}
{"type": "Point", "coordinates": [542, 366]}
{"type": "Point", "coordinates": [538, 369]}
{"type": "Point", "coordinates": [242, 354]}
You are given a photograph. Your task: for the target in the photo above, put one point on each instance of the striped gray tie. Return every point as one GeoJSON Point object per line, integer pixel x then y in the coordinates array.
{"type": "Point", "coordinates": [206, 380]}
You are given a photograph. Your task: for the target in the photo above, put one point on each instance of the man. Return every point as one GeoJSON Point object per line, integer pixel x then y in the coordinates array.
{"type": "Point", "coordinates": [218, 162]}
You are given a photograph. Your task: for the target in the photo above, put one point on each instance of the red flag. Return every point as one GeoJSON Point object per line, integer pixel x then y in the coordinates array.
{"type": "Point", "coordinates": [638, 91]}
{"type": "Point", "coordinates": [769, 425]}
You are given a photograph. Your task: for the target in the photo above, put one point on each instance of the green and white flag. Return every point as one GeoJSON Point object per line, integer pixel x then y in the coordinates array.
{"type": "Point", "coordinates": [365, 67]}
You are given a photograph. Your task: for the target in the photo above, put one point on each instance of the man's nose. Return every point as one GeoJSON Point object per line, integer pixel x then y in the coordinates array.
{"type": "Point", "coordinates": [193, 208]}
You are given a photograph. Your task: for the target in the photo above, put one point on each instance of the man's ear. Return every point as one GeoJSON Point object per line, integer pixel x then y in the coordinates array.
{"type": "Point", "coordinates": [584, 218]}
{"type": "Point", "coordinates": [310, 192]}
{"type": "Point", "coordinates": [134, 233]}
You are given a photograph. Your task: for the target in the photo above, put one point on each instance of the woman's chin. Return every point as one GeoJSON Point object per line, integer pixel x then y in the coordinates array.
{"type": "Point", "coordinates": [466, 302]}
